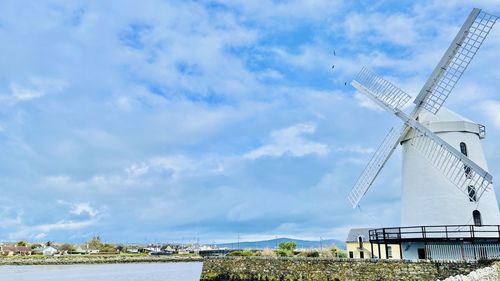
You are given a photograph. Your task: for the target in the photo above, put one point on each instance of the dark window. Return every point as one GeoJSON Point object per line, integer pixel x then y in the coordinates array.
{"type": "Point", "coordinates": [472, 193]}
{"type": "Point", "coordinates": [467, 172]}
{"type": "Point", "coordinates": [477, 218]}
{"type": "Point", "coordinates": [360, 242]}
{"type": "Point", "coordinates": [463, 148]}
{"type": "Point", "coordinates": [389, 252]}
{"type": "Point", "coordinates": [362, 255]}
{"type": "Point", "coordinates": [351, 255]}
{"type": "Point", "coordinates": [421, 253]}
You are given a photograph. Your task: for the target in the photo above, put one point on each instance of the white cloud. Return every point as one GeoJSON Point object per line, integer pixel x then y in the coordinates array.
{"type": "Point", "coordinates": [309, 57]}
{"type": "Point", "coordinates": [176, 166]}
{"type": "Point", "coordinates": [82, 208]}
{"type": "Point", "coordinates": [19, 229]}
{"type": "Point", "coordinates": [357, 149]}
{"type": "Point", "coordinates": [395, 28]}
{"type": "Point", "coordinates": [491, 109]}
{"type": "Point", "coordinates": [137, 170]}
{"type": "Point", "coordinates": [21, 93]}
{"type": "Point", "coordinates": [289, 141]}
{"type": "Point", "coordinates": [9, 221]}
{"type": "Point", "coordinates": [64, 225]}
{"type": "Point", "coordinates": [270, 12]}
{"type": "Point", "coordinates": [366, 102]}
{"type": "Point", "coordinates": [58, 180]}
{"type": "Point", "coordinates": [40, 236]}
{"type": "Point", "coordinates": [126, 103]}
{"type": "Point", "coordinates": [154, 171]}
{"type": "Point", "coordinates": [36, 88]}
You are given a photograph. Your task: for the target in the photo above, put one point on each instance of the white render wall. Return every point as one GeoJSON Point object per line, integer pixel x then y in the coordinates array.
{"type": "Point", "coordinates": [428, 198]}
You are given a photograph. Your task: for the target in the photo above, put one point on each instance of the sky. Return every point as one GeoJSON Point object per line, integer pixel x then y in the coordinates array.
{"type": "Point", "coordinates": [177, 121]}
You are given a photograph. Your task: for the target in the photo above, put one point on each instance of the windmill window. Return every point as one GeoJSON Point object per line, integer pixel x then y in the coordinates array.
{"type": "Point", "coordinates": [472, 193]}
{"type": "Point", "coordinates": [463, 148]}
{"type": "Point", "coordinates": [477, 218]}
{"type": "Point", "coordinates": [467, 171]}
{"type": "Point", "coordinates": [360, 242]}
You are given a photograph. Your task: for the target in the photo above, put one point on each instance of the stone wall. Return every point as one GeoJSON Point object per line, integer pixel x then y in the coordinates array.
{"type": "Point", "coordinates": [490, 273]}
{"type": "Point", "coordinates": [305, 269]}
{"type": "Point", "coordinates": [91, 259]}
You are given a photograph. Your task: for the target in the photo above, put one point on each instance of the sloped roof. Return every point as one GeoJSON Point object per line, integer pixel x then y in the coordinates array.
{"type": "Point", "coordinates": [45, 248]}
{"type": "Point", "coordinates": [354, 233]}
{"type": "Point", "coordinates": [16, 249]}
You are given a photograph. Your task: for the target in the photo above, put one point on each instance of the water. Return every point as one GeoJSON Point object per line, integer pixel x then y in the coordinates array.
{"type": "Point", "coordinates": [110, 272]}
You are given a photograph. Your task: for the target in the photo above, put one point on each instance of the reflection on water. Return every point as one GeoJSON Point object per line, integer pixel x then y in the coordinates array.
{"type": "Point", "coordinates": [109, 272]}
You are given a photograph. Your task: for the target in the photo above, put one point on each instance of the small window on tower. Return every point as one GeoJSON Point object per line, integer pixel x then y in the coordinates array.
{"type": "Point", "coordinates": [467, 170]}
{"type": "Point", "coordinates": [472, 193]}
{"type": "Point", "coordinates": [463, 148]}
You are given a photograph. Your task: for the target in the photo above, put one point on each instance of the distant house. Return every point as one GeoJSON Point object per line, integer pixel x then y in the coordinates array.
{"type": "Point", "coordinates": [151, 249]}
{"type": "Point", "coordinates": [168, 248]}
{"type": "Point", "coordinates": [133, 250]}
{"type": "Point", "coordinates": [359, 246]}
{"type": "Point", "coordinates": [15, 250]}
{"type": "Point", "coordinates": [46, 250]}
{"type": "Point", "coordinates": [85, 249]}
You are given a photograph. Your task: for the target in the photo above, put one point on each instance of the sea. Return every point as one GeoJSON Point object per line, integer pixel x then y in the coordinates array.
{"type": "Point", "coordinates": [190, 271]}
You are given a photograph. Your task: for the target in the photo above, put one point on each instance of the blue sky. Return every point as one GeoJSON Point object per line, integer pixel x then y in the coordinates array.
{"type": "Point", "coordinates": [176, 120]}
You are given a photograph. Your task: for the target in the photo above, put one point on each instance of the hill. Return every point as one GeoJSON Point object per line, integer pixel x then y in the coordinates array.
{"type": "Point", "coordinates": [273, 243]}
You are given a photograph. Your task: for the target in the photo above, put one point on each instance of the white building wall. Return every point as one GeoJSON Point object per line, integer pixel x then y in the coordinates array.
{"type": "Point", "coordinates": [428, 198]}
{"type": "Point", "coordinates": [453, 250]}
{"type": "Point", "coordinates": [410, 250]}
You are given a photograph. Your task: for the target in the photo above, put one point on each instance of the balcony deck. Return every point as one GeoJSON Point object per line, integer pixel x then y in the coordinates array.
{"type": "Point", "coordinates": [441, 233]}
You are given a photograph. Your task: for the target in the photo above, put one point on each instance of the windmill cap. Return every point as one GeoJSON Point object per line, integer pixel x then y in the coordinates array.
{"type": "Point", "coordinates": [443, 115]}
{"type": "Point", "coordinates": [446, 120]}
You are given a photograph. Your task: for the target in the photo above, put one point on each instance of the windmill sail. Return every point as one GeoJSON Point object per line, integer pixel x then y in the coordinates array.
{"type": "Point", "coordinates": [469, 177]}
{"type": "Point", "coordinates": [374, 167]}
{"type": "Point", "coordinates": [381, 89]}
{"type": "Point", "coordinates": [456, 167]}
{"type": "Point", "coordinates": [459, 169]}
{"type": "Point", "coordinates": [455, 60]}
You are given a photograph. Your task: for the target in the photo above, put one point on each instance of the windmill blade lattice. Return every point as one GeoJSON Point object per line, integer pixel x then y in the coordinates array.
{"type": "Point", "coordinates": [374, 167]}
{"type": "Point", "coordinates": [457, 168]}
{"type": "Point", "coordinates": [454, 62]}
{"type": "Point", "coordinates": [382, 89]}
{"type": "Point", "coordinates": [444, 157]}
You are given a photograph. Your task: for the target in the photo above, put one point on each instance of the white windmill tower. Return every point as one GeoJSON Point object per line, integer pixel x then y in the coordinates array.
{"type": "Point", "coordinates": [445, 180]}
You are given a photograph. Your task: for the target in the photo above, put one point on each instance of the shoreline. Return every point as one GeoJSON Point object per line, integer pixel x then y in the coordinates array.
{"type": "Point", "coordinates": [97, 259]}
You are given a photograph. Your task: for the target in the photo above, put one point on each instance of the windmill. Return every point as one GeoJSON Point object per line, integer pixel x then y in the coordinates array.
{"type": "Point", "coordinates": [442, 182]}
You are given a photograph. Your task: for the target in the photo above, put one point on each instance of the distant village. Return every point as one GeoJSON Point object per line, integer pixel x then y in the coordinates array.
{"type": "Point", "coordinates": [96, 247]}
